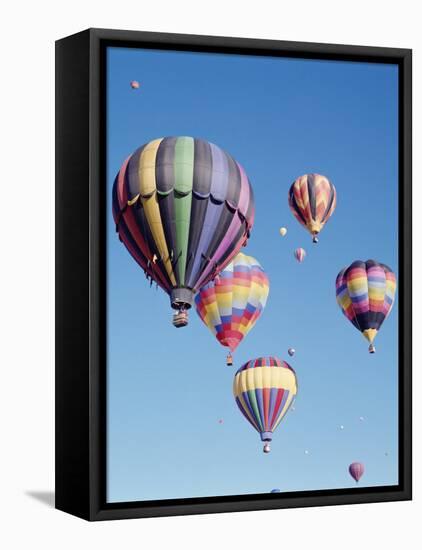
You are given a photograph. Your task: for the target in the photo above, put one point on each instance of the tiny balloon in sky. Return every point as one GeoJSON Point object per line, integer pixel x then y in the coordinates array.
{"type": "Point", "coordinates": [300, 254]}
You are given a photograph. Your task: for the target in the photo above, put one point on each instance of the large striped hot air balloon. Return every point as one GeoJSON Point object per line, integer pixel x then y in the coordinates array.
{"type": "Point", "coordinates": [365, 293]}
{"type": "Point", "coordinates": [183, 208]}
{"type": "Point", "coordinates": [232, 303]}
{"type": "Point", "coordinates": [264, 389]}
{"type": "Point", "coordinates": [312, 200]}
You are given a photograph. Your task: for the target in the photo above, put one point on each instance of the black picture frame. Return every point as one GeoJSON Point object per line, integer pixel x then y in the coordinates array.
{"type": "Point", "coordinates": [81, 276]}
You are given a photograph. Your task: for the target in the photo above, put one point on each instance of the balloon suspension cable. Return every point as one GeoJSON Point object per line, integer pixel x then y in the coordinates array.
{"type": "Point", "coordinates": [229, 360]}
{"type": "Point", "coordinates": [371, 348]}
{"type": "Point", "coordinates": [267, 447]}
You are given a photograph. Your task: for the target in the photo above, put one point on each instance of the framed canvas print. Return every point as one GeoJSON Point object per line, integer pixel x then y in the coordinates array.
{"type": "Point", "coordinates": [233, 274]}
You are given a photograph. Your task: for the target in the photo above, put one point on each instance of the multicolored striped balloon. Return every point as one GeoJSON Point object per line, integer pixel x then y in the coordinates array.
{"type": "Point", "coordinates": [300, 254]}
{"type": "Point", "coordinates": [312, 200]}
{"type": "Point", "coordinates": [183, 208]}
{"type": "Point", "coordinates": [365, 293]}
{"type": "Point", "coordinates": [264, 389]}
{"type": "Point", "coordinates": [356, 470]}
{"type": "Point", "coordinates": [232, 303]}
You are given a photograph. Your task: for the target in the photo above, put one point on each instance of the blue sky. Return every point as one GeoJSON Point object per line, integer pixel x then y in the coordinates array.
{"type": "Point", "coordinates": [168, 388]}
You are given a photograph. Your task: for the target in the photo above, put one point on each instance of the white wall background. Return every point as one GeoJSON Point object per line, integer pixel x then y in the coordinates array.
{"type": "Point", "coordinates": [27, 273]}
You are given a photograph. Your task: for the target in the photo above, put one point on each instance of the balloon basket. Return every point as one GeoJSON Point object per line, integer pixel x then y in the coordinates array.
{"type": "Point", "coordinates": [180, 319]}
{"type": "Point", "coordinates": [229, 360]}
{"type": "Point", "coordinates": [371, 348]}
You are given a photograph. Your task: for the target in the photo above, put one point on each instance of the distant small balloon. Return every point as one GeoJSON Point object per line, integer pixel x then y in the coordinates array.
{"type": "Point", "coordinates": [361, 418]}
{"type": "Point", "coordinates": [306, 452]}
{"type": "Point", "coordinates": [275, 491]}
{"type": "Point", "coordinates": [300, 254]}
{"type": "Point", "coordinates": [356, 470]}
{"type": "Point", "coordinates": [220, 421]}
{"type": "Point", "coordinates": [283, 231]}
{"type": "Point", "coordinates": [342, 427]}
{"type": "Point", "coordinates": [291, 351]}
{"type": "Point", "coordinates": [134, 84]}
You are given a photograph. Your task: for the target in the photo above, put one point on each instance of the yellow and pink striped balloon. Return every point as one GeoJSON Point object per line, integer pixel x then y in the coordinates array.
{"type": "Point", "coordinates": [365, 293]}
{"type": "Point", "coordinates": [231, 304]}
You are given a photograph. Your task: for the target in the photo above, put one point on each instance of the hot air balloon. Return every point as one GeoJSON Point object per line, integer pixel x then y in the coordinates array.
{"type": "Point", "coordinates": [283, 231]}
{"type": "Point", "coordinates": [183, 208]}
{"type": "Point", "coordinates": [356, 470]}
{"type": "Point", "coordinates": [264, 389]}
{"type": "Point", "coordinates": [365, 293]}
{"type": "Point", "coordinates": [300, 254]}
{"type": "Point", "coordinates": [312, 200]}
{"type": "Point", "coordinates": [134, 84]}
{"type": "Point", "coordinates": [231, 305]}
{"type": "Point", "coordinates": [291, 351]}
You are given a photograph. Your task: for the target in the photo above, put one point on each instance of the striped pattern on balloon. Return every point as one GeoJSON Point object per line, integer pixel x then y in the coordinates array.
{"type": "Point", "coordinates": [365, 292]}
{"type": "Point", "coordinates": [231, 304]}
{"type": "Point", "coordinates": [183, 208]}
{"type": "Point", "coordinates": [312, 200]}
{"type": "Point", "coordinates": [264, 390]}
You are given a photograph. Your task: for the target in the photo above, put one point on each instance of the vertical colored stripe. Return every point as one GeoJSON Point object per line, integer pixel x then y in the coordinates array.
{"type": "Point", "coordinates": [183, 177]}
{"type": "Point", "coordinates": [149, 202]}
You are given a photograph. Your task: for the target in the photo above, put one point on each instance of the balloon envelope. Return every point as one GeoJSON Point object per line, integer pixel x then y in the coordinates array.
{"type": "Point", "coordinates": [356, 470]}
{"type": "Point", "coordinates": [231, 305]}
{"type": "Point", "coordinates": [134, 84]}
{"type": "Point", "coordinates": [291, 351]}
{"type": "Point", "coordinates": [283, 231]}
{"type": "Point", "coordinates": [183, 208]}
{"type": "Point", "coordinates": [300, 254]}
{"type": "Point", "coordinates": [312, 200]}
{"type": "Point", "coordinates": [365, 293]}
{"type": "Point", "coordinates": [264, 389]}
